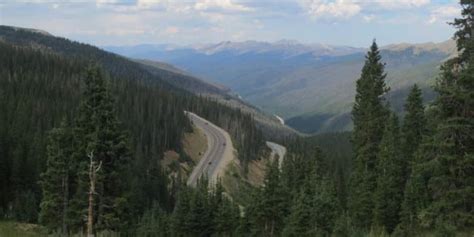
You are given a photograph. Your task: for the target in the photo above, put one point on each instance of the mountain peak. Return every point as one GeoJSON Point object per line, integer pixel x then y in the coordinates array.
{"type": "Point", "coordinates": [447, 47]}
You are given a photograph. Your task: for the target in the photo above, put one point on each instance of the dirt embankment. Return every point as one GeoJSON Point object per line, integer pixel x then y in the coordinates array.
{"type": "Point", "coordinates": [194, 146]}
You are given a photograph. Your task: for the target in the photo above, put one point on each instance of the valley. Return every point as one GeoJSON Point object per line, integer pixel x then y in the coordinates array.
{"type": "Point", "coordinates": [310, 86]}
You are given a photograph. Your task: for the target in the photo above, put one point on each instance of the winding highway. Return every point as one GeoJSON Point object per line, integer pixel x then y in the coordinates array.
{"type": "Point", "coordinates": [277, 149]}
{"type": "Point", "coordinates": [218, 155]}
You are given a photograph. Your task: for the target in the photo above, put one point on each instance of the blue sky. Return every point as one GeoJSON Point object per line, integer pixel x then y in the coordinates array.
{"type": "Point", "coordinates": [336, 22]}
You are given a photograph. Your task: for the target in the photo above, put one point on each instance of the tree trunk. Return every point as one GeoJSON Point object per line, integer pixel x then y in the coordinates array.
{"type": "Point", "coordinates": [93, 169]}
{"type": "Point", "coordinates": [65, 203]}
{"type": "Point", "coordinates": [100, 212]}
{"type": "Point", "coordinates": [273, 227]}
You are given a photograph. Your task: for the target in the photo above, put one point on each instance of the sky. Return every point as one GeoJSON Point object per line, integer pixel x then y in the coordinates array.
{"type": "Point", "coordinates": [185, 22]}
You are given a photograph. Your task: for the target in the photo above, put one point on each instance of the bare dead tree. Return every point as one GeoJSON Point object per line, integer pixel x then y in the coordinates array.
{"type": "Point", "coordinates": [93, 169]}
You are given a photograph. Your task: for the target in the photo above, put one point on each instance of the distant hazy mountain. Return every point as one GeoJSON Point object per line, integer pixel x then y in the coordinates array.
{"type": "Point", "coordinates": [312, 86]}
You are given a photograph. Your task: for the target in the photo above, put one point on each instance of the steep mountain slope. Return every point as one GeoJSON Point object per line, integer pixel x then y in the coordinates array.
{"type": "Point", "coordinates": [45, 41]}
{"type": "Point", "coordinates": [164, 74]}
{"type": "Point", "coordinates": [311, 86]}
{"type": "Point", "coordinates": [42, 85]}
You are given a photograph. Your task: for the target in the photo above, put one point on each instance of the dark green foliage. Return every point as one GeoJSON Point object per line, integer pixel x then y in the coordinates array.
{"type": "Point", "coordinates": [57, 178]}
{"type": "Point", "coordinates": [155, 222]}
{"type": "Point", "coordinates": [464, 31]}
{"type": "Point", "coordinates": [299, 222]}
{"type": "Point", "coordinates": [369, 115]}
{"type": "Point", "coordinates": [416, 196]}
{"type": "Point", "coordinates": [414, 128]}
{"type": "Point", "coordinates": [98, 133]}
{"type": "Point", "coordinates": [414, 123]}
{"type": "Point", "coordinates": [343, 226]}
{"type": "Point", "coordinates": [65, 182]}
{"type": "Point", "coordinates": [390, 178]}
{"type": "Point", "coordinates": [227, 218]}
{"type": "Point", "coordinates": [441, 184]}
{"type": "Point", "coordinates": [34, 97]}
{"type": "Point", "coordinates": [40, 89]}
{"type": "Point", "coordinates": [40, 86]}
{"type": "Point", "coordinates": [203, 212]}
{"type": "Point", "coordinates": [273, 200]}
{"type": "Point", "coordinates": [326, 206]}
{"type": "Point", "coordinates": [270, 205]}
{"type": "Point", "coordinates": [300, 199]}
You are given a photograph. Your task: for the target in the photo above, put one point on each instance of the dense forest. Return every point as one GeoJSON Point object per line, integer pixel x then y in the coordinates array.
{"type": "Point", "coordinates": [47, 115]}
{"type": "Point", "coordinates": [82, 133]}
{"type": "Point", "coordinates": [409, 176]}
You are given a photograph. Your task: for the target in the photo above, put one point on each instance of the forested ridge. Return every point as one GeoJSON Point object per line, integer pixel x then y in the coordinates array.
{"type": "Point", "coordinates": [43, 89]}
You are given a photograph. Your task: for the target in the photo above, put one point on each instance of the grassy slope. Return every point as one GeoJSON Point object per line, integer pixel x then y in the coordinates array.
{"type": "Point", "coordinates": [16, 229]}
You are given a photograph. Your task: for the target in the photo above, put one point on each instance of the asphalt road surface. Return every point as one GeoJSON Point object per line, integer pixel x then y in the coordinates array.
{"type": "Point", "coordinates": [277, 150]}
{"type": "Point", "coordinates": [218, 154]}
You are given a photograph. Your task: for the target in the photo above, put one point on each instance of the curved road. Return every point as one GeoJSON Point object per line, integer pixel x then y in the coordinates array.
{"type": "Point", "coordinates": [277, 149]}
{"type": "Point", "coordinates": [218, 154]}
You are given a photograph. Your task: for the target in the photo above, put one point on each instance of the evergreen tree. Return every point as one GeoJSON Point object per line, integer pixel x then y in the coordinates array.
{"type": "Point", "coordinates": [180, 216]}
{"type": "Point", "coordinates": [446, 158]}
{"type": "Point", "coordinates": [154, 222]}
{"type": "Point", "coordinates": [390, 181]}
{"type": "Point", "coordinates": [414, 128]}
{"type": "Point", "coordinates": [98, 132]}
{"type": "Point", "coordinates": [227, 218]}
{"type": "Point", "coordinates": [326, 207]}
{"type": "Point", "coordinates": [56, 180]}
{"type": "Point", "coordinates": [416, 194]}
{"type": "Point", "coordinates": [299, 222]}
{"type": "Point", "coordinates": [368, 115]}
{"type": "Point", "coordinates": [200, 213]}
{"type": "Point", "coordinates": [414, 125]}
{"type": "Point", "coordinates": [272, 208]}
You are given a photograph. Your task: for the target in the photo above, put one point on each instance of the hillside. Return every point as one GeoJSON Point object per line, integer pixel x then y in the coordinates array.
{"type": "Point", "coordinates": [310, 86]}
{"type": "Point", "coordinates": [43, 84]}
{"type": "Point", "coordinates": [46, 42]}
{"type": "Point", "coordinates": [167, 76]}
{"type": "Point", "coordinates": [270, 125]}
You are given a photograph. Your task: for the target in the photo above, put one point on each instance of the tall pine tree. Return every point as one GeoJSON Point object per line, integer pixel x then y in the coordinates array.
{"type": "Point", "coordinates": [99, 133]}
{"type": "Point", "coordinates": [271, 206]}
{"type": "Point", "coordinates": [56, 180]}
{"type": "Point", "coordinates": [368, 115]}
{"type": "Point", "coordinates": [445, 162]}
{"type": "Point", "coordinates": [414, 125]}
{"type": "Point", "coordinates": [390, 181]}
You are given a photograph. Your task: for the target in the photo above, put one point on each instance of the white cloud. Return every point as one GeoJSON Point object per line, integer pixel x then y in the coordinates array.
{"type": "Point", "coordinates": [124, 32]}
{"type": "Point", "coordinates": [368, 18]}
{"type": "Point", "coordinates": [221, 5]}
{"type": "Point", "coordinates": [102, 3]}
{"type": "Point", "coordinates": [397, 4]}
{"type": "Point", "coordinates": [146, 3]}
{"type": "Point", "coordinates": [187, 6]}
{"type": "Point", "coordinates": [171, 30]}
{"type": "Point", "coordinates": [444, 13]}
{"type": "Point", "coordinates": [331, 9]}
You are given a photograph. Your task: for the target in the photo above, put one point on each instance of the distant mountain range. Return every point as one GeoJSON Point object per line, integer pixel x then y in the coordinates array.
{"type": "Point", "coordinates": [312, 86]}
